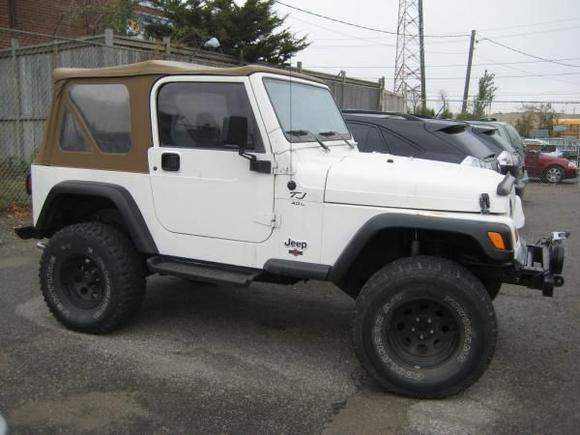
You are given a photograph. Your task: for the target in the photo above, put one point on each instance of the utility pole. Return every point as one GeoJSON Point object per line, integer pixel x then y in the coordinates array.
{"type": "Point", "coordinates": [468, 74]}
{"type": "Point", "coordinates": [422, 57]}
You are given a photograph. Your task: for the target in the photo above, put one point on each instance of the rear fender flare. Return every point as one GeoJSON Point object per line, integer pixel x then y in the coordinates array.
{"type": "Point", "coordinates": [118, 195]}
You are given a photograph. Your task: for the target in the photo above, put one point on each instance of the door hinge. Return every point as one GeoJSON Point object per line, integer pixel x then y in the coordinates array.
{"type": "Point", "coordinates": [271, 220]}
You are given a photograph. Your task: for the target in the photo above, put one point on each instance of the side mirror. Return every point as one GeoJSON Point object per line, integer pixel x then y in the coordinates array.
{"type": "Point", "coordinates": [236, 129]}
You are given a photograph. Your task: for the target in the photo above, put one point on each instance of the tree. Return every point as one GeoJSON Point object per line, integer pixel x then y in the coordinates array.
{"type": "Point", "coordinates": [114, 15]}
{"type": "Point", "coordinates": [485, 94]}
{"type": "Point", "coordinates": [424, 111]}
{"type": "Point", "coordinates": [252, 31]}
{"type": "Point", "coordinates": [444, 113]}
{"type": "Point", "coordinates": [540, 116]}
{"type": "Point", "coordinates": [525, 123]}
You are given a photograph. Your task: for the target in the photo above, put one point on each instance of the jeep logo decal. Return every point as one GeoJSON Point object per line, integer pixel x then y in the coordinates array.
{"type": "Point", "coordinates": [297, 247]}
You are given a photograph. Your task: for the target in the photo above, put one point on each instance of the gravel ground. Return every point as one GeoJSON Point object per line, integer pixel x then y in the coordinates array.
{"type": "Point", "coordinates": [273, 359]}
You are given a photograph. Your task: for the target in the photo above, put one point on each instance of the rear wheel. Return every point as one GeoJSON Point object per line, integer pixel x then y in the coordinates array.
{"type": "Point", "coordinates": [424, 327]}
{"type": "Point", "coordinates": [553, 174]}
{"type": "Point", "coordinates": [92, 278]}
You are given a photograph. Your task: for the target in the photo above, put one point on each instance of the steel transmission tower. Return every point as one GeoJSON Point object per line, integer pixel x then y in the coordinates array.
{"type": "Point", "coordinates": [409, 61]}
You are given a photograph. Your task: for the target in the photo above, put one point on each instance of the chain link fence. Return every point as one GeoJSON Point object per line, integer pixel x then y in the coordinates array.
{"type": "Point", "coordinates": [27, 60]}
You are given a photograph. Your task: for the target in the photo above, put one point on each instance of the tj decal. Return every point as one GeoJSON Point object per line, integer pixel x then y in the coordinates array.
{"type": "Point", "coordinates": [296, 247]}
{"type": "Point", "coordinates": [297, 197]}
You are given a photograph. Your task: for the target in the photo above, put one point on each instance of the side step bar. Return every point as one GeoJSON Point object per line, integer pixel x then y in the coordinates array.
{"type": "Point", "coordinates": [200, 272]}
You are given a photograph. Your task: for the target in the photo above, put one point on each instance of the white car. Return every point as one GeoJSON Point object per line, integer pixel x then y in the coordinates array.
{"type": "Point", "coordinates": [236, 175]}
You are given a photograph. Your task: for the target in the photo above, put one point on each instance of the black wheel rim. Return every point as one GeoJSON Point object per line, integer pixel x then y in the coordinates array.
{"type": "Point", "coordinates": [82, 282]}
{"type": "Point", "coordinates": [423, 333]}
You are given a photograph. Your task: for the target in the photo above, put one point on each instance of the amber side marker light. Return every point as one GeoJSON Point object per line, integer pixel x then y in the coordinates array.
{"type": "Point", "coordinates": [496, 240]}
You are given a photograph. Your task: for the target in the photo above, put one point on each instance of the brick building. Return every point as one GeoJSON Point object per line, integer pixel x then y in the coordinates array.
{"type": "Point", "coordinates": [65, 18]}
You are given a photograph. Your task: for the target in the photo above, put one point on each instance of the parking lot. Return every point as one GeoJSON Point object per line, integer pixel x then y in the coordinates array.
{"type": "Point", "coordinates": [273, 359]}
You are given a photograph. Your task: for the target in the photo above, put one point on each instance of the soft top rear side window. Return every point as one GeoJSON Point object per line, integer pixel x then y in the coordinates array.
{"type": "Point", "coordinates": [71, 137]}
{"type": "Point", "coordinates": [105, 110]}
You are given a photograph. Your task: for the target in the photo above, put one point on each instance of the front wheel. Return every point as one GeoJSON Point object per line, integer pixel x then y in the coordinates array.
{"type": "Point", "coordinates": [553, 174]}
{"type": "Point", "coordinates": [424, 327]}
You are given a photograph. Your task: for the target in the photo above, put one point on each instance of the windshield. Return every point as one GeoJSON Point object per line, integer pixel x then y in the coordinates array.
{"type": "Point", "coordinates": [305, 108]}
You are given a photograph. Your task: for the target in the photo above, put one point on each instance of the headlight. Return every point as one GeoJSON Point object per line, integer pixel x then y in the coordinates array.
{"type": "Point", "coordinates": [572, 165]}
{"type": "Point", "coordinates": [473, 161]}
{"type": "Point", "coordinates": [506, 159]}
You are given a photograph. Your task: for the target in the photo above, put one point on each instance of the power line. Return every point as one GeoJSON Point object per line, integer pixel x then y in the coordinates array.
{"type": "Point", "coordinates": [462, 65]}
{"type": "Point", "coordinates": [514, 68]}
{"type": "Point", "coordinates": [519, 26]}
{"type": "Point", "coordinates": [460, 100]}
{"type": "Point", "coordinates": [352, 37]}
{"type": "Point", "coordinates": [505, 76]}
{"type": "Point", "coordinates": [507, 47]}
{"type": "Point", "coordinates": [359, 26]}
{"type": "Point", "coordinates": [537, 32]}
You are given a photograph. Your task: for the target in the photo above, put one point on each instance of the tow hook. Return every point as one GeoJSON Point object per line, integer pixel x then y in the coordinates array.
{"type": "Point", "coordinates": [560, 235]}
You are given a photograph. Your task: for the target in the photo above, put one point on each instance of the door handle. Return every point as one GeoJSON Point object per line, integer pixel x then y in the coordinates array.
{"type": "Point", "coordinates": [170, 162]}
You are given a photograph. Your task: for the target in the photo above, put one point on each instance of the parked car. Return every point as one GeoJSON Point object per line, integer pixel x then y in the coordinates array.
{"type": "Point", "coordinates": [412, 136]}
{"type": "Point", "coordinates": [508, 132]}
{"type": "Point", "coordinates": [565, 151]}
{"type": "Point", "coordinates": [509, 158]}
{"type": "Point", "coordinates": [248, 174]}
{"type": "Point", "coordinates": [549, 167]}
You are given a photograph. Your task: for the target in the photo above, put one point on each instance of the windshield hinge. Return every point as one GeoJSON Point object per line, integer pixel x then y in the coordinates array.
{"type": "Point", "coordinates": [484, 203]}
{"type": "Point", "coordinates": [271, 220]}
{"type": "Point", "coordinates": [278, 169]}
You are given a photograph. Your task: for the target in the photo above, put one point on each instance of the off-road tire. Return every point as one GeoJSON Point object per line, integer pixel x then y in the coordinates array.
{"type": "Point", "coordinates": [547, 178]}
{"type": "Point", "coordinates": [449, 290]}
{"type": "Point", "coordinates": [88, 259]}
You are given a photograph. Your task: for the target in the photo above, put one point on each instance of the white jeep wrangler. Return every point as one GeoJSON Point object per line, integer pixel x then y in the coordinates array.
{"type": "Point", "coordinates": [246, 174]}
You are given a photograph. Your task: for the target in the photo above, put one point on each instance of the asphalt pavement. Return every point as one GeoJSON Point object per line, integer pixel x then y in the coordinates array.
{"type": "Point", "coordinates": [277, 359]}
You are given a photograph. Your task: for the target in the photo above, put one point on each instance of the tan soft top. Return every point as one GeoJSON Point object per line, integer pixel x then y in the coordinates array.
{"type": "Point", "coordinates": [164, 67]}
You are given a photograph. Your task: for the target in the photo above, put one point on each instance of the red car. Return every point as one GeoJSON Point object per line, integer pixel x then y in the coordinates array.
{"type": "Point", "coordinates": [548, 167]}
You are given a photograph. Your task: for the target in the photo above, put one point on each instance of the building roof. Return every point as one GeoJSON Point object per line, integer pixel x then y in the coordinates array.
{"type": "Point", "coordinates": [164, 67]}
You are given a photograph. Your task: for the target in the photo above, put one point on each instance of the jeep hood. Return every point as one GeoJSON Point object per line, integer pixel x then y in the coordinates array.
{"type": "Point", "coordinates": [383, 180]}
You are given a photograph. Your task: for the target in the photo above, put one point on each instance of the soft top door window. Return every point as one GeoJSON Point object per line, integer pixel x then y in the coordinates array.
{"type": "Point", "coordinates": [202, 114]}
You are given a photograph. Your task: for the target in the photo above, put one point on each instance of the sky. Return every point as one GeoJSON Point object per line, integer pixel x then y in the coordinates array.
{"type": "Point", "coordinates": [546, 29]}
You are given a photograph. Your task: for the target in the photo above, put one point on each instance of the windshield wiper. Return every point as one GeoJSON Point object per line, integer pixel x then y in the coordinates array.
{"type": "Point", "coordinates": [335, 133]}
{"type": "Point", "coordinates": [300, 133]}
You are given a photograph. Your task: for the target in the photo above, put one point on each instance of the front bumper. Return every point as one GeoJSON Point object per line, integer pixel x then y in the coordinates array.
{"type": "Point", "coordinates": [539, 265]}
{"type": "Point", "coordinates": [570, 173]}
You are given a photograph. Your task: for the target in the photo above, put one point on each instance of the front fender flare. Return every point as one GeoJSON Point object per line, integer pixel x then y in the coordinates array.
{"type": "Point", "coordinates": [477, 230]}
